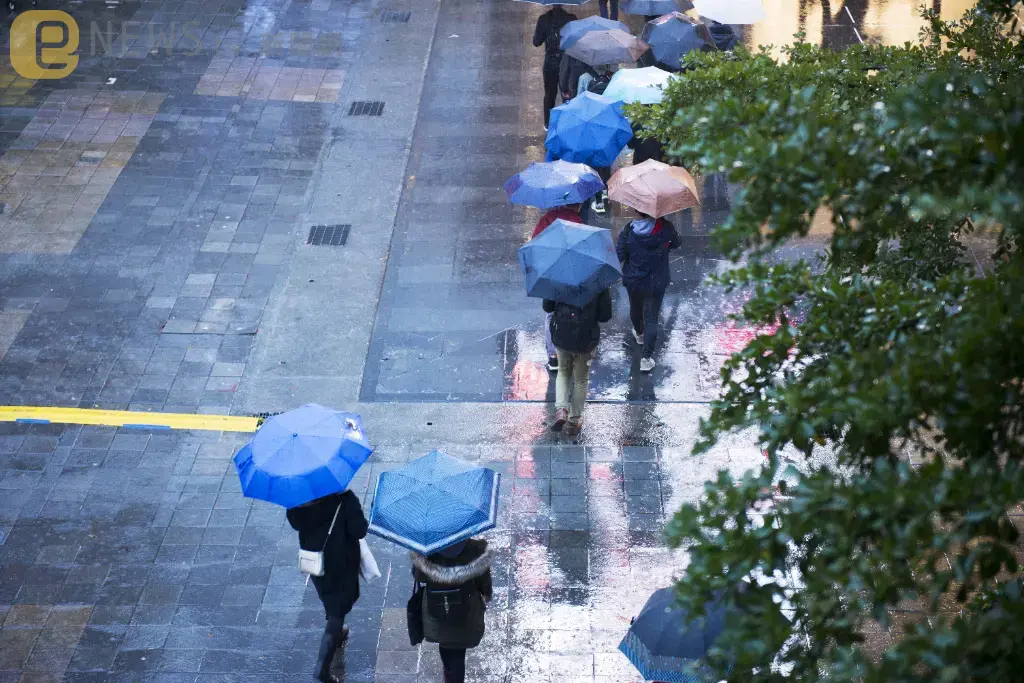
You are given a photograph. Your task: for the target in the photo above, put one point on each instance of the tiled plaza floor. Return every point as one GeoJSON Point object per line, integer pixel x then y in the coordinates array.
{"type": "Point", "coordinates": [153, 211]}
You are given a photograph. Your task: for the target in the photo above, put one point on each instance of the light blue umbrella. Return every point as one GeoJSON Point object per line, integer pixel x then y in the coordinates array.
{"type": "Point", "coordinates": [589, 129]}
{"type": "Point", "coordinates": [655, 8]}
{"type": "Point", "coordinates": [434, 502]}
{"type": "Point", "coordinates": [570, 263]}
{"type": "Point", "coordinates": [302, 455]}
{"type": "Point", "coordinates": [638, 86]}
{"type": "Point", "coordinates": [554, 183]}
{"type": "Point", "coordinates": [575, 30]}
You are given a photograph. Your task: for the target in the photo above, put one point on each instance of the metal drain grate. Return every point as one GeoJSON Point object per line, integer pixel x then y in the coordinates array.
{"type": "Point", "coordinates": [395, 17]}
{"type": "Point", "coordinates": [366, 109]}
{"type": "Point", "coordinates": [328, 235]}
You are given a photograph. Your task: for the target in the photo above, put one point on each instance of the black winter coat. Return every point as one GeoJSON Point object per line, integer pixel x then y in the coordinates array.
{"type": "Point", "coordinates": [646, 148]}
{"type": "Point", "coordinates": [471, 570]}
{"type": "Point", "coordinates": [549, 31]}
{"type": "Point", "coordinates": [338, 588]}
{"type": "Point", "coordinates": [644, 258]}
{"type": "Point", "coordinates": [598, 310]}
{"type": "Point", "coordinates": [569, 72]}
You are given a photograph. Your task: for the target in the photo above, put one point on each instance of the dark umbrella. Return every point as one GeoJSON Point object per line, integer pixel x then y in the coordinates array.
{"type": "Point", "coordinates": [655, 8]}
{"type": "Point", "coordinates": [575, 30]}
{"type": "Point", "coordinates": [674, 35]}
{"type": "Point", "coordinates": [613, 46]}
{"type": "Point", "coordinates": [570, 263]}
{"type": "Point", "coordinates": [664, 644]}
{"type": "Point", "coordinates": [554, 2]}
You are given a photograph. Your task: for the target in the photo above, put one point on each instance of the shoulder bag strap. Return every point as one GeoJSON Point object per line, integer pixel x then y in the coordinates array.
{"type": "Point", "coordinates": [332, 527]}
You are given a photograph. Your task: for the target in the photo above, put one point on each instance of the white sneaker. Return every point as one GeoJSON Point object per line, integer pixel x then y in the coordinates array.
{"type": "Point", "coordinates": [599, 206]}
{"type": "Point", "coordinates": [638, 337]}
{"type": "Point", "coordinates": [646, 364]}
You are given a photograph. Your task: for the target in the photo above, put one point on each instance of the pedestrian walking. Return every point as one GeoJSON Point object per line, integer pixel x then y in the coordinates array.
{"type": "Point", "coordinates": [569, 72]}
{"type": "Point", "coordinates": [643, 248]}
{"type": "Point", "coordinates": [549, 34]}
{"type": "Point", "coordinates": [569, 213]}
{"type": "Point", "coordinates": [456, 587]}
{"type": "Point", "coordinates": [602, 7]}
{"type": "Point", "coordinates": [596, 80]}
{"type": "Point", "coordinates": [645, 148]}
{"type": "Point", "coordinates": [575, 332]}
{"type": "Point", "coordinates": [333, 525]}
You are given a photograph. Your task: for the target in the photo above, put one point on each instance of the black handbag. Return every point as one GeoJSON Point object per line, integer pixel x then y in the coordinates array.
{"type": "Point", "coordinates": [414, 615]}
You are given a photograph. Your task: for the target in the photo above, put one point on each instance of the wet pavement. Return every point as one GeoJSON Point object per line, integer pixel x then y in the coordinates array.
{"type": "Point", "coordinates": [156, 206]}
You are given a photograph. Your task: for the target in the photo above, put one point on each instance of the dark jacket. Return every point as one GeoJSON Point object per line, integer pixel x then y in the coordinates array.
{"type": "Point", "coordinates": [725, 38]}
{"type": "Point", "coordinates": [644, 258]}
{"type": "Point", "coordinates": [646, 148]}
{"type": "Point", "coordinates": [598, 310]}
{"type": "Point", "coordinates": [569, 72]}
{"type": "Point", "coordinates": [470, 573]}
{"type": "Point", "coordinates": [338, 588]}
{"type": "Point", "coordinates": [549, 31]}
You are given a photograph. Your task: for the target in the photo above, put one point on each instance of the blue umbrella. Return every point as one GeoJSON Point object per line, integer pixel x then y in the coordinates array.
{"type": "Point", "coordinates": [655, 8]}
{"type": "Point", "coordinates": [589, 129]}
{"type": "Point", "coordinates": [569, 262]}
{"type": "Point", "coordinates": [575, 30]}
{"type": "Point", "coordinates": [434, 502]}
{"type": "Point", "coordinates": [302, 455]}
{"type": "Point", "coordinates": [555, 2]}
{"type": "Point", "coordinates": [665, 645]}
{"type": "Point", "coordinates": [674, 35]}
{"type": "Point", "coordinates": [554, 183]}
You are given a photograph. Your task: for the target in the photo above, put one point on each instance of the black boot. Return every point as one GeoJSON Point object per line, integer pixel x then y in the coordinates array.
{"type": "Point", "coordinates": [329, 643]}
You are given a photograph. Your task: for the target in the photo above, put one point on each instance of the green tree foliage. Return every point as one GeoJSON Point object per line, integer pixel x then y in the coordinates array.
{"type": "Point", "coordinates": [899, 353]}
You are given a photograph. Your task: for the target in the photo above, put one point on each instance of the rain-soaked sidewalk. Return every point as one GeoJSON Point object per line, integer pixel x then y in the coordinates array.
{"type": "Point", "coordinates": [155, 213]}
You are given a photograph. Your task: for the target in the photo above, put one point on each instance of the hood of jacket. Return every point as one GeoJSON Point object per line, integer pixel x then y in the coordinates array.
{"type": "Point", "coordinates": [454, 574]}
{"type": "Point", "coordinates": [651, 237]}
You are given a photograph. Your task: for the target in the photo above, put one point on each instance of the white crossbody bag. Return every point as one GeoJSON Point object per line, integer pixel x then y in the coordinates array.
{"type": "Point", "coordinates": [311, 562]}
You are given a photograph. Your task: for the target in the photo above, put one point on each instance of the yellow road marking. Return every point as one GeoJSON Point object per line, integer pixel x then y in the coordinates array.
{"type": "Point", "coordinates": [127, 418]}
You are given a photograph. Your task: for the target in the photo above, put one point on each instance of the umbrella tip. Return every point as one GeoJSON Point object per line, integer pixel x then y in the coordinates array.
{"type": "Point", "coordinates": [295, 434]}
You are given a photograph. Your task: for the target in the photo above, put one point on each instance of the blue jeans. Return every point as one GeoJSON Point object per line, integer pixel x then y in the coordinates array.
{"type": "Point", "coordinates": [602, 7]}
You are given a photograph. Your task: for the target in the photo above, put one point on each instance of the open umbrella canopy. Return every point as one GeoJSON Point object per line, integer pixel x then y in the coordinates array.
{"type": "Point", "coordinates": [664, 644]}
{"type": "Point", "coordinates": [570, 263]}
{"type": "Point", "coordinates": [654, 188]}
{"type": "Point", "coordinates": [588, 129]}
{"type": "Point", "coordinates": [302, 455]}
{"type": "Point", "coordinates": [655, 8]}
{"type": "Point", "coordinates": [674, 35]}
{"type": "Point", "coordinates": [554, 183]}
{"type": "Point", "coordinates": [731, 11]}
{"type": "Point", "coordinates": [642, 86]}
{"type": "Point", "coordinates": [575, 30]}
{"type": "Point", "coordinates": [611, 46]}
{"type": "Point", "coordinates": [434, 502]}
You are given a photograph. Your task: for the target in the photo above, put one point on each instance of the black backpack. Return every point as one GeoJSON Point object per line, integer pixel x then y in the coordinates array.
{"type": "Point", "coordinates": [599, 83]}
{"type": "Point", "coordinates": [575, 329]}
{"type": "Point", "coordinates": [450, 604]}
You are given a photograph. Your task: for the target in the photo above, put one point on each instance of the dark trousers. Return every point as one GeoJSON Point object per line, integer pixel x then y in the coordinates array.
{"type": "Point", "coordinates": [453, 660]}
{"type": "Point", "coordinates": [602, 7]}
{"type": "Point", "coordinates": [550, 87]}
{"type": "Point", "coordinates": [645, 314]}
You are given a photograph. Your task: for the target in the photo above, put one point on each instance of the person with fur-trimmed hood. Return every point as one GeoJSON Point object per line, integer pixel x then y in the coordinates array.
{"type": "Point", "coordinates": [457, 584]}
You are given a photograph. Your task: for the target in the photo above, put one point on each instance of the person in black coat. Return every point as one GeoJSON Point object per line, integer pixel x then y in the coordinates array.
{"type": "Point", "coordinates": [569, 72]}
{"type": "Point", "coordinates": [549, 34]}
{"type": "Point", "coordinates": [643, 247]}
{"type": "Point", "coordinates": [338, 588]}
{"type": "Point", "coordinates": [458, 585]}
{"type": "Point", "coordinates": [575, 333]}
{"type": "Point", "coordinates": [646, 148]}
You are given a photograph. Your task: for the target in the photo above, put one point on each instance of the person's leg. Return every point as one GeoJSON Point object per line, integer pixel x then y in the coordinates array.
{"type": "Point", "coordinates": [562, 384]}
{"type": "Point", "coordinates": [581, 382]}
{"type": "Point", "coordinates": [636, 311]}
{"type": "Point", "coordinates": [550, 87]}
{"type": "Point", "coordinates": [652, 320]}
{"type": "Point", "coordinates": [615, 10]}
{"type": "Point", "coordinates": [602, 7]}
{"type": "Point", "coordinates": [334, 635]}
{"type": "Point", "coordinates": [453, 662]}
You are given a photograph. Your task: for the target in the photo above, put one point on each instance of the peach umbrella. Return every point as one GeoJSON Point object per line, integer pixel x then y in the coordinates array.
{"type": "Point", "coordinates": [654, 188]}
